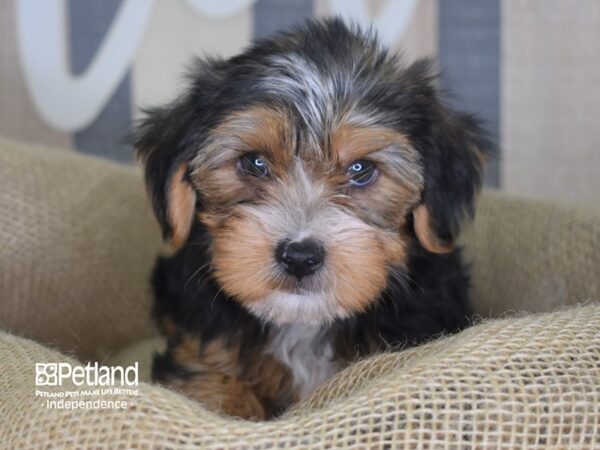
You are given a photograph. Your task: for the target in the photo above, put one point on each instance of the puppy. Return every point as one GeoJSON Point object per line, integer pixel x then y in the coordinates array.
{"type": "Point", "coordinates": [314, 187]}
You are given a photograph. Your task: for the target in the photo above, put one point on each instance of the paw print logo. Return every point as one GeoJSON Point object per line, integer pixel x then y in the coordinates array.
{"type": "Point", "coordinates": [46, 374]}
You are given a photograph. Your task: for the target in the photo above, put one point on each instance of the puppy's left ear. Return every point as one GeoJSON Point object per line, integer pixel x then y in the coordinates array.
{"type": "Point", "coordinates": [454, 155]}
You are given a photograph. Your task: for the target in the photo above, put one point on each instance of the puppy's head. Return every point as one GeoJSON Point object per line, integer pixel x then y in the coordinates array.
{"type": "Point", "coordinates": [313, 160]}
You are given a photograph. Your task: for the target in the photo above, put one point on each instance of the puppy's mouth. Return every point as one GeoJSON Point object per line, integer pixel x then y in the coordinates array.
{"type": "Point", "coordinates": [304, 286]}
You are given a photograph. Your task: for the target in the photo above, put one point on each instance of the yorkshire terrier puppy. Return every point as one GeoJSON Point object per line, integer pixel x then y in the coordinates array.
{"type": "Point", "coordinates": [313, 187]}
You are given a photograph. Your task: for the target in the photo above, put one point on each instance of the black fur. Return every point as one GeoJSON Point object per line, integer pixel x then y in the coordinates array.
{"type": "Point", "coordinates": [427, 298]}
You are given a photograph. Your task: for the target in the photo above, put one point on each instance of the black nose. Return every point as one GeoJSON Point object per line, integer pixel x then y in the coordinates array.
{"type": "Point", "coordinates": [300, 259]}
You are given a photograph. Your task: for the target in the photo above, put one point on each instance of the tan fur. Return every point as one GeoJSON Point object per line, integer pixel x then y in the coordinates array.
{"type": "Point", "coordinates": [242, 256]}
{"type": "Point", "coordinates": [167, 326]}
{"type": "Point", "coordinates": [181, 202]}
{"type": "Point", "coordinates": [225, 394]}
{"type": "Point", "coordinates": [223, 186]}
{"type": "Point", "coordinates": [350, 142]}
{"type": "Point", "coordinates": [359, 264]}
{"type": "Point", "coordinates": [426, 234]}
{"type": "Point", "coordinates": [211, 356]}
{"type": "Point", "coordinates": [271, 381]}
{"type": "Point", "coordinates": [259, 129]}
{"type": "Point", "coordinates": [375, 204]}
{"type": "Point", "coordinates": [224, 380]}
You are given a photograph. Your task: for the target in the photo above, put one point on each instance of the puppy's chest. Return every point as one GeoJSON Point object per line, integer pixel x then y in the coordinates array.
{"type": "Point", "coordinates": [307, 352]}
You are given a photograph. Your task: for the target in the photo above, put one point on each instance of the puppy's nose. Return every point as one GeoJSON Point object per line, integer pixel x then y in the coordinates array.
{"type": "Point", "coordinates": [300, 259]}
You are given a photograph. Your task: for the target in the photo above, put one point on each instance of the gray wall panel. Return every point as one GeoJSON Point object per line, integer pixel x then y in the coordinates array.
{"type": "Point", "coordinates": [88, 22]}
{"type": "Point", "coordinates": [469, 49]}
{"type": "Point", "coordinates": [271, 16]}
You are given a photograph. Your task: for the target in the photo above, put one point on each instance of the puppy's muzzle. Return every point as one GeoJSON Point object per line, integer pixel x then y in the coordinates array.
{"type": "Point", "coordinates": [300, 259]}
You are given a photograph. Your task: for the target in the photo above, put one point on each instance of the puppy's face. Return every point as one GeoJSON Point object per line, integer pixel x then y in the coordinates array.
{"type": "Point", "coordinates": [305, 230]}
{"type": "Point", "coordinates": [312, 172]}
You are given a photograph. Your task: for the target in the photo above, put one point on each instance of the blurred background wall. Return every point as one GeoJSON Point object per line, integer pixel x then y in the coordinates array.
{"type": "Point", "coordinates": [76, 73]}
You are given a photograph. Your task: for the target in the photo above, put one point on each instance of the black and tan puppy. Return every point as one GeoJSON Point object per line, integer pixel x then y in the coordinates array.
{"type": "Point", "coordinates": [314, 187]}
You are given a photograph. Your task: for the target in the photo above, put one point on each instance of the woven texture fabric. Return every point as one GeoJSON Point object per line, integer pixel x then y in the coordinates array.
{"type": "Point", "coordinates": [77, 243]}
{"type": "Point", "coordinates": [529, 382]}
{"type": "Point", "coordinates": [532, 255]}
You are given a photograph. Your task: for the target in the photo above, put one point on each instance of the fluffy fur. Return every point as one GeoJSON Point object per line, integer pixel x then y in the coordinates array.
{"type": "Point", "coordinates": [245, 337]}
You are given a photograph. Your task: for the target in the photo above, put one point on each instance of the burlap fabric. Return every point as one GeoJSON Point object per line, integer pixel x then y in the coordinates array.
{"type": "Point", "coordinates": [529, 382]}
{"type": "Point", "coordinates": [532, 255]}
{"type": "Point", "coordinates": [76, 244]}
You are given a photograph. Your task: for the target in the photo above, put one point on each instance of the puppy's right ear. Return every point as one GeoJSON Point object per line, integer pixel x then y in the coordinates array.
{"type": "Point", "coordinates": [161, 145]}
{"type": "Point", "coordinates": [168, 138]}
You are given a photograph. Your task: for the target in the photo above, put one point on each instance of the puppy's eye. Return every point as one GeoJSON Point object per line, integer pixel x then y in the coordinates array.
{"type": "Point", "coordinates": [253, 164]}
{"type": "Point", "coordinates": [362, 173]}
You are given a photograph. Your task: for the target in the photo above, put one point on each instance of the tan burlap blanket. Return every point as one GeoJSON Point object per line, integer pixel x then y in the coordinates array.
{"type": "Point", "coordinates": [77, 242]}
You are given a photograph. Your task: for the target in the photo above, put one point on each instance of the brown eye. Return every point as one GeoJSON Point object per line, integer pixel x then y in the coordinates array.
{"type": "Point", "coordinates": [253, 164]}
{"type": "Point", "coordinates": [362, 173]}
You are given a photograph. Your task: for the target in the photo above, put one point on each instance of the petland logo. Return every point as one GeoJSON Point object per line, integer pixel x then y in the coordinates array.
{"type": "Point", "coordinates": [54, 374]}
{"type": "Point", "coordinates": [92, 382]}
